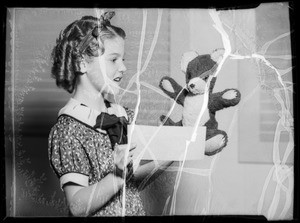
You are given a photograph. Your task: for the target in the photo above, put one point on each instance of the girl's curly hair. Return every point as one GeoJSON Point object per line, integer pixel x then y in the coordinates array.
{"type": "Point", "coordinates": [82, 37]}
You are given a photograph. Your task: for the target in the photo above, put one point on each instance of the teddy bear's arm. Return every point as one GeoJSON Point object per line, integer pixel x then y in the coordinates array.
{"type": "Point", "coordinates": [169, 122]}
{"type": "Point", "coordinates": [218, 102]}
{"type": "Point", "coordinates": [170, 87]}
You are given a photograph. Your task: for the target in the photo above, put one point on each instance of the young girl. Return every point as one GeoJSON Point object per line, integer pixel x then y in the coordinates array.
{"type": "Point", "coordinates": [91, 165]}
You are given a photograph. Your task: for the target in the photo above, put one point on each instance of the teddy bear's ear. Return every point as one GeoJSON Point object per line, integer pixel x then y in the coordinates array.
{"type": "Point", "coordinates": [217, 55]}
{"type": "Point", "coordinates": [186, 58]}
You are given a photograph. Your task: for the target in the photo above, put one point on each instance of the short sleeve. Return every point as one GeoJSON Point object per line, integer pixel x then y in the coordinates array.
{"type": "Point", "coordinates": [67, 156]}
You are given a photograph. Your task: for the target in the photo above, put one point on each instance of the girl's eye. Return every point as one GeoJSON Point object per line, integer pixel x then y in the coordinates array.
{"type": "Point", "coordinates": [115, 60]}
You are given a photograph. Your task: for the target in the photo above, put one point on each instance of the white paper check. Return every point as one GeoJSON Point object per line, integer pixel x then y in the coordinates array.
{"type": "Point", "coordinates": [167, 142]}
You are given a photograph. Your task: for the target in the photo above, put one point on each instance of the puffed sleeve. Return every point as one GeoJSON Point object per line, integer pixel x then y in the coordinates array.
{"type": "Point", "coordinates": [67, 156]}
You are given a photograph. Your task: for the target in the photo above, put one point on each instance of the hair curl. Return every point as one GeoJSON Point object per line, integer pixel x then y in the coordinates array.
{"type": "Point", "coordinates": [67, 53]}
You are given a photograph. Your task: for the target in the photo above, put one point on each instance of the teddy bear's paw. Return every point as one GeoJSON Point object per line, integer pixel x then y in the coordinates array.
{"type": "Point", "coordinates": [229, 95]}
{"type": "Point", "coordinates": [163, 118]}
{"type": "Point", "coordinates": [215, 143]}
{"type": "Point", "coordinates": [222, 141]}
{"type": "Point", "coordinates": [160, 122]}
{"type": "Point", "coordinates": [167, 86]}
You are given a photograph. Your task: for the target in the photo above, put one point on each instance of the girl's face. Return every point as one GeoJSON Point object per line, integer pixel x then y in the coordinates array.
{"type": "Point", "coordinates": [106, 71]}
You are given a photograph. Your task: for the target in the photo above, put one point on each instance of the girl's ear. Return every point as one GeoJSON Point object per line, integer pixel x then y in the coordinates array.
{"type": "Point", "coordinates": [83, 66]}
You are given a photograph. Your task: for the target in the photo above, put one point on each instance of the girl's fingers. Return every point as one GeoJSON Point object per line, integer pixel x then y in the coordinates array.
{"type": "Point", "coordinates": [124, 147]}
{"type": "Point", "coordinates": [131, 154]}
{"type": "Point", "coordinates": [132, 147]}
{"type": "Point", "coordinates": [120, 153]}
{"type": "Point", "coordinates": [129, 161]}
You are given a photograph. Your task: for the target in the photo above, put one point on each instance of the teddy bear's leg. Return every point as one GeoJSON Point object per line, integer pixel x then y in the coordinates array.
{"type": "Point", "coordinates": [230, 94]}
{"type": "Point", "coordinates": [169, 122]}
{"type": "Point", "coordinates": [216, 140]}
{"type": "Point", "coordinates": [224, 99]}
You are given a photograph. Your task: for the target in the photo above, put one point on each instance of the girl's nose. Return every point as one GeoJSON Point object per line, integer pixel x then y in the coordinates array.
{"type": "Point", "coordinates": [122, 67]}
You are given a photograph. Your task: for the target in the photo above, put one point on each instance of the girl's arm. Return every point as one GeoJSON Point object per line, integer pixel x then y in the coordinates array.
{"type": "Point", "coordinates": [150, 170]}
{"type": "Point", "coordinates": [84, 201]}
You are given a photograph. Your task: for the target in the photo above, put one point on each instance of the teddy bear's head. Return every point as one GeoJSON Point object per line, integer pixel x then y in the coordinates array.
{"type": "Point", "coordinates": [198, 68]}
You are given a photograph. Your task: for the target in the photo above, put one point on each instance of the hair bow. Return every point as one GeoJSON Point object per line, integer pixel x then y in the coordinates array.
{"type": "Point", "coordinates": [104, 21]}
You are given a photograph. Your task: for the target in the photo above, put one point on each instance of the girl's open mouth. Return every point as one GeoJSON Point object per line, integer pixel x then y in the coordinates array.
{"type": "Point", "coordinates": [117, 79]}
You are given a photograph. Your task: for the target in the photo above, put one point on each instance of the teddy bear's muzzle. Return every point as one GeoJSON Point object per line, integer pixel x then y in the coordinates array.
{"type": "Point", "coordinates": [196, 86]}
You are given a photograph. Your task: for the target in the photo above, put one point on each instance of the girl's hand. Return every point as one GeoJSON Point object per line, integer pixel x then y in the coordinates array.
{"type": "Point", "coordinates": [120, 152]}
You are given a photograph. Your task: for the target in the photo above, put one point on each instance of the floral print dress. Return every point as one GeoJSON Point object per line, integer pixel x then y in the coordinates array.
{"type": "Point", "coordinates": [83, 155]}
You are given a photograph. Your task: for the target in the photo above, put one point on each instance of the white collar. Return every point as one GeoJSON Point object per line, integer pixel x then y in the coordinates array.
{"type": "Point", "coordinates": [88, 115]}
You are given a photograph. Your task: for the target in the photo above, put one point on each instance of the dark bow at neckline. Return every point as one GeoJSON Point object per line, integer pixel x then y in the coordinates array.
{"type": "Point", "coordinates": [116, 127]}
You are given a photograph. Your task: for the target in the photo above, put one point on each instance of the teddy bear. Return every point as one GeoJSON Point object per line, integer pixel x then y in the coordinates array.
{"type": "Point", "coordinates": [197, 69]}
